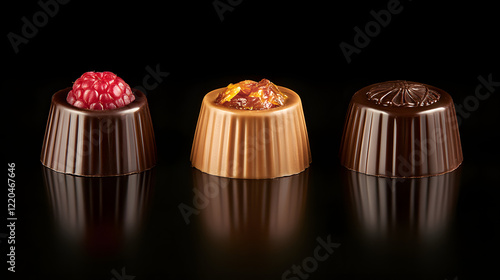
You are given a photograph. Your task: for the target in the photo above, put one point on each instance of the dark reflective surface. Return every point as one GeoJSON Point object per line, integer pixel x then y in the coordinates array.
{"type": "Point", "coordinates": [363, 229]}
{"type": "Point", "coordinates": [403, 225]}
{"type": "Point", "coordinates": [179, 223]}
{"type": "Point", "coordinates": [249, 228]}
{"type": "Point", "coordinates": [356, 227]}
{"type": "Point", "coordinates": [97, 220]}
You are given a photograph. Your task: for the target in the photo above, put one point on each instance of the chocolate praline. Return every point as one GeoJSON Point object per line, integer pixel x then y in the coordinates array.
{"type": "Point", "coordinates": [99, 142]}
{"type": "Point", "coordinates": [251, 144]}
{"type": "Point", "coordinates": [401, 129]}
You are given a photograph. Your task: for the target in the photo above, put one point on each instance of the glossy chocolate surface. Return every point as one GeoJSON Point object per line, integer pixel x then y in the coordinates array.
{"type": "Point", "coordinates": [251, 144]}
{"type": "Point", "coordinates": [401, 129]}
{"type": "Point", "coordinates": [99, 143]}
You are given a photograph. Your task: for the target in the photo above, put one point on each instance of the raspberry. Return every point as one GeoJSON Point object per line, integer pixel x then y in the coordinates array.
{"type": "Point", "coordinates": [100, 91]}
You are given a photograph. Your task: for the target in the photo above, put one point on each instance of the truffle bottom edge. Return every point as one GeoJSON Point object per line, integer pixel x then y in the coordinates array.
{"type": "Point", "coordinates": [251, 178]}
{"type": "Point", "coordinates": [98, 175]}
{"type": "Point", "coordinates": [405, 177]}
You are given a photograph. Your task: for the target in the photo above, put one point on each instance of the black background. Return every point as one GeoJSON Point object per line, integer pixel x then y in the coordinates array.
{"type": "Point", "coordinates": [448, 45]}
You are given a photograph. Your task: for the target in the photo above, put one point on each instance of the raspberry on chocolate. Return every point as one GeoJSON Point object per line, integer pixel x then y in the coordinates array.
{"type": "Point", "coordinates": [100, 91]}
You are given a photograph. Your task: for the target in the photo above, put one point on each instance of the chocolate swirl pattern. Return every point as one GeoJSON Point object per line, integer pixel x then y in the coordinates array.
{"type": "Point", "coordinates": [402, 94]}
{"type": "Point", "coordinates": [401, 129]}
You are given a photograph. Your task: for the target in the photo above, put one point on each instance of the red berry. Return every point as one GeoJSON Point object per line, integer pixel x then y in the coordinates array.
{"type": "Point", "coordinates": [100, 91]}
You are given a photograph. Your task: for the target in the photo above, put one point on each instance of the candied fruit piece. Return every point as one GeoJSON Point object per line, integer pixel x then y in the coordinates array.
{"type": "Point", "coordinates": [250, 95]}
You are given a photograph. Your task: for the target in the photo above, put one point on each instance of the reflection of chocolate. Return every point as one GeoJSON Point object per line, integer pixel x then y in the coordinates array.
{"type": "Point", "coordinates": [420, 206]}
{"type": "Point", "coordinates": [249, 226]}
{"type": "Point", "coordinates": [267, 209]}
{"type": "Point", "coordinates": [401, 129]}
{"type": "Point", "coordinates": [402, 223]}
{"type": "Point", "coordinates": [100, 214]}
{"type": "Point", "coordinates": [99, 143]}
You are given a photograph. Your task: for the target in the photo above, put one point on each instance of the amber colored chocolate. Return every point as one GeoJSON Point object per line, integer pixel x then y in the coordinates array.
{"type": "Point", "coordinates": [251, 144]}
{"type": "Point", "coordinates": [99, 143]}
{"type": "Point", "coordinates": [401, 129]}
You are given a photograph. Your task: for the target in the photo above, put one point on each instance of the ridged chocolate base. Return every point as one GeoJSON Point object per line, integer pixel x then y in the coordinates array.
{"type": "Point", "coordinates": [99, 143]}
{"type": "Point", "coordinates": [401, 129]}
{"type": "Point", "coordinates": [251, 144]}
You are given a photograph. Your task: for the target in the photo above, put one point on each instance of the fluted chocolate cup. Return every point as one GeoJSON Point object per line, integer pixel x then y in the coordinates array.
{"type": "Point", "coordinates": [99, 142]}
{"type": "Point", "coordinates": [251, 144]}
{"type": "Point", "coordinates": [401, 129]}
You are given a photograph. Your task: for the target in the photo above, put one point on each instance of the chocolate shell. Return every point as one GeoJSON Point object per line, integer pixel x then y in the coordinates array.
{"type": "Point", "coordinates": [248, 144]}
{"type": "Point", "coordinates": [99, 143]}
{"type": "Point", "coordinates": [401, 129]}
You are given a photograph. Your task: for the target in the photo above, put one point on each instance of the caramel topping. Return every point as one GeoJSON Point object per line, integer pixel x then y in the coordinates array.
{"type": "Point", "coordinates": [250, 95]}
